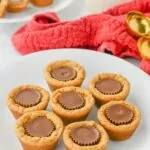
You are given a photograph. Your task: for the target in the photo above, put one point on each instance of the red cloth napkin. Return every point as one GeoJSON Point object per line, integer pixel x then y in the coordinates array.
{"type": "Point", "coordinates": [101, 32]}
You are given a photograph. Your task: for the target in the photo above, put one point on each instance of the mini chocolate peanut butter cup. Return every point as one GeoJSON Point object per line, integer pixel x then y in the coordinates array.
{"type": "Point", "coordinates": [85, 135]}
{"type": "Point", "coordinates": [120, 119]}
{"type": "Point", "coordinates": [108, 86]}
{"type": "Point", "coordinates": [28, 98]}
{"type": "Point", "coordinates": [63, 73]}
{"type": "Point", "coordinates": [39, 130]}
{"type": "Point", "coordinates": [71, 100]}
{"type": "Point", "coordinates": [119, 114]}
{"type": "Point", "coordinates": [40, 127]}
{"type": "Point", "coordinates": [72, 104]}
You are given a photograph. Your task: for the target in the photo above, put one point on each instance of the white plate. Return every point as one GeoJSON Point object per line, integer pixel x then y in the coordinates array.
{"type": "Point", "coordinates": [30, 70]}
{"type": "Point", "coordinates": [31, 10]}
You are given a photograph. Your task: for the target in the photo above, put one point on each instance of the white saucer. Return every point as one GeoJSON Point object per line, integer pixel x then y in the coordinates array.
{"type": "Point", "coordinates": [29, 70]}
{"type": "Point", "coordinates": [28, 13]}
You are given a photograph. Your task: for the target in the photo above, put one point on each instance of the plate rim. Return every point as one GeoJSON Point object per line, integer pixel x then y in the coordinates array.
{"type": "Point", "coordinates": [70, 50]}
{"type": "Point", "coordinates": [22, 20]}
{"type": "Point", "coordinates": [23, 57]}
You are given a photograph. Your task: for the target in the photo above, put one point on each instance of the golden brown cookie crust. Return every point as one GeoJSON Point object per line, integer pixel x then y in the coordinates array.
{"type": "Point", "coordinates": [18, 7]}
{"type": "Point", "coordinates": [72, 115]}
{"type": "Point", "coordinates": [103, 98]}
{"type": "Point", "coordinates": [3, 7]}
{"type": "Point", "coordinates": [56, 84]}
{"type": "Point", "coordinates": [38, 143]}
{"type": "Point", "coordinates": [101, 145]}
{"type": "Point", "coordinates": [41, 3]}
{"type": "Point", "coordinates": [121, 132]}
{"type": "Point", "coordinates": [19, 110]}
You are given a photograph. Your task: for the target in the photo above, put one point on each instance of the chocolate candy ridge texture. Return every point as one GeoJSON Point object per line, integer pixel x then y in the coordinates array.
{"type": "Point", "coordinates": [71, 100]}
{"type": "Point", "coordinates": [119, 114]}
{"type": "Point", "coordinates": [63, 73]}
{"type": "Point", "coordinates": [40, 127]}
{"type": "Point", "coordinates": [28, 97]}
{"type": "Point", "coordinates": [85, 135]}
{"type": "Point", "coordinates": [108, 86]}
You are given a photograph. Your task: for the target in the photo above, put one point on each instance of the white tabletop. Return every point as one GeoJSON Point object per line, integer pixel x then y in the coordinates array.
{"type": "Point", "coordinates": [8, 54]}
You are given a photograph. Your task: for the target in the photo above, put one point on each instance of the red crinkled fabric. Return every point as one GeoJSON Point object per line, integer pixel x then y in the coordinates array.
{"type": "Point", "coordinates": [106, 31]}
{"type": "Point", "coordinates": [145, 65]}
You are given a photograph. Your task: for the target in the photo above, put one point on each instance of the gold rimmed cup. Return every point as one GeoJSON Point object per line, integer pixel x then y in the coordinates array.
{"type": "Point", "coordinates": [144, 48]}
{"type": "Point", "coordinates": [138, 24]}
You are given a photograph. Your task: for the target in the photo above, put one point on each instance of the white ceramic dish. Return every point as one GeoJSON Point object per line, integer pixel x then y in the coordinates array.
{"type": "Point", "coordinates": [96, 6]}
{"type": "Point", "coordinates": [28, 13]}
{"type": "Point", "coordinates": [30, 70]}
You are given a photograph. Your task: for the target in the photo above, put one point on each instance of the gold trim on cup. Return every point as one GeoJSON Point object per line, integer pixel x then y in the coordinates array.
{"type": "Point", "coordinates": [144, 48]}
{"type": "Point", "coordinates": [138, 24]}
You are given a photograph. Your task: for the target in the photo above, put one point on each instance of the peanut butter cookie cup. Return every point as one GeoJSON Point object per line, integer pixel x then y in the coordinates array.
{"type": "Point", "coordinates": [39, 130]}
{"type": "Point", "coordinates": [64, 73]}
{"type": "Point", "coordinates": [27, 98]}
{"type": "Point", "coordinates": [106, 87]}
{"type": "Point", "coordinates": [120, 119]}
{"type": "Point", "coordinates": [85, 135]}
{"type": "Point", "coordinates": [3, 7]}
{"type": "Point", "coordinates": [72, 103]}
{"type": "Point", "coordinates": [42, 3]}
{"type": "Point", "coordinates": [15, 6]}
